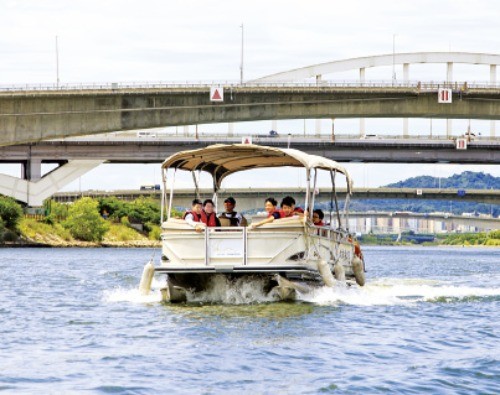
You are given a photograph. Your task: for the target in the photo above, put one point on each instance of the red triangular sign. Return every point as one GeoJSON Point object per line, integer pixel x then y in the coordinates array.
{"type": "Point", "coordinates": [216, 95]}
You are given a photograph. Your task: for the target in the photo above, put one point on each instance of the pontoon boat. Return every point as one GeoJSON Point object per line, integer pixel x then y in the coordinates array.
{"type": "Point", "coordinates": [288, 255]}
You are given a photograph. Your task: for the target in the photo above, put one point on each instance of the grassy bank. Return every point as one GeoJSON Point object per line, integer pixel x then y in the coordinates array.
{"type": "Point", "coordinates": [33, 232]}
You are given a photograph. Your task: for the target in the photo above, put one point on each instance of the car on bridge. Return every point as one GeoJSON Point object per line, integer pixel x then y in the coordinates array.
{"type": "Point", "coordinates": [155, 187]}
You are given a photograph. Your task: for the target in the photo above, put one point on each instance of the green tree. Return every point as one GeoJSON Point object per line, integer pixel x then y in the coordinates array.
{"type": "Point", "coordinates": [10, 212]}
{"type": "Point", "coordinates": [56, 212]}
{"type": "Point", "coordinates": [144, 210]}
{"type": "Point", "coordinates": [84, 220]}
{"type": "Point", "coordinates": [115, 207]}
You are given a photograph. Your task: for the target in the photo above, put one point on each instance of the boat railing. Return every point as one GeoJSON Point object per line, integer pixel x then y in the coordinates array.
{"type": "Point", "coordinates": [227, 247]}
{"type": "Point", "coordinates": [327, 232]}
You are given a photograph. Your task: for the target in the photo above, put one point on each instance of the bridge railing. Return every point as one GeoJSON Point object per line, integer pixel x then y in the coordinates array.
{"type": "Point", "coordinates": [237, 136]}
{"type": "Point", "coordinates": [115, 86]}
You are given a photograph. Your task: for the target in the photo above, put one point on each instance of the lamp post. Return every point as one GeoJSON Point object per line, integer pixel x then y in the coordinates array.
{"type": "Point", "coordinates": [393, 58]}
{"type": "Point", "coordinates": [242, 43]}
{"type": "Point", "coordinates": [57, 64]}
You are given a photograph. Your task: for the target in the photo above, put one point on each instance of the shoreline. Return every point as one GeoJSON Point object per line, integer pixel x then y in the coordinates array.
{"type": "Point", "coordinates": [125, 244]}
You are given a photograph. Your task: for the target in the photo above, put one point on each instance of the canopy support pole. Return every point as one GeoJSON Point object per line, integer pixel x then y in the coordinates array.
{"type": "Point", "coordinates": [170, 201]}
{"type": "Point", "coordinates": [333, 174]}
{"type": "Point", "coordinates": [313, 197]}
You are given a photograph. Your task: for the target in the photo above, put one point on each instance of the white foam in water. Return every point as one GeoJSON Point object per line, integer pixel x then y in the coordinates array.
{"type": "Point", "coordinates": [241, 291]}
{"type": "Point", "coordinates": [387, 291]}
{"type": "Point", "coordinates": [131, 295]}
{"type": "Point", "coordinates": [134, 296]}
{"type": "Point", "coordinates": [394, 292]}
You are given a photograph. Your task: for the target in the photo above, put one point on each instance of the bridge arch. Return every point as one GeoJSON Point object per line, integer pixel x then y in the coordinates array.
{"type": "Point", "coordinates": [406, 59]}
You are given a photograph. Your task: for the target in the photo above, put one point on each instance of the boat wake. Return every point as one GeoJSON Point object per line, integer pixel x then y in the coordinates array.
{"type": "Point", "coordinates": [397, 292]}
{"type": "Point", "coordinates": [134, 295]}
{"type": "Point", "coordinates": [387, 291]}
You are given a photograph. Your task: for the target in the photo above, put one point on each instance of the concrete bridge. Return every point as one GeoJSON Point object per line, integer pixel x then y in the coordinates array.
{"type": "Point", "coordinates": [32, 114]}
{"type": "Point", "coordinates": [117, 149]}
{"type": "Point", "coordinates": [253, 198]}
{"type": "Point", "coordinates": [425, 223]}
{"type": "Point", "coordinates": [78, 157]}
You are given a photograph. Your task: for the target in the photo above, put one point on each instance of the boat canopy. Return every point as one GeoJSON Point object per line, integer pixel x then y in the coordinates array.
{"type": "Point", "coordinates": [221, 160]}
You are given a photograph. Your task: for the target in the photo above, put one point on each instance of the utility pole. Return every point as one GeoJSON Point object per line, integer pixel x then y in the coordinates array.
{"type": "Point", "coordinates": [242, 44]}
{"type": "Point", "coordinates": [57, 64]}
{"type": "Point", "coordinates": [393, 58]}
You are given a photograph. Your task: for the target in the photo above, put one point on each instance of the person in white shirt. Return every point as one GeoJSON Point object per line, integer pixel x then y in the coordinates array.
{"type": "Point", "coordinates": [193, 216]}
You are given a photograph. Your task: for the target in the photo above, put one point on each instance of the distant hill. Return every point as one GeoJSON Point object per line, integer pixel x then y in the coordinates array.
{"type": "Point", "coordinates": [465, 180]}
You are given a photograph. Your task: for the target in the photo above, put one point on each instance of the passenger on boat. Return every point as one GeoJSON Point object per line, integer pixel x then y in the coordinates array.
{"type": "Point", "coordinates": [318, 216]}
{"type": "Point", "coordinates": [193, 216]}
{"type": "Point", "coordinates": [288, 208]}
{"type": "Point", "coordinates": [208, 216]}
{"type": "Point", "coordinates": [232, 217]}
{"type": "Point", "coordinates": [272, 213]}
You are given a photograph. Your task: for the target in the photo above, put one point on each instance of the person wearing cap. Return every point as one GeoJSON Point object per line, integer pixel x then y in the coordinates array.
{"type": "Point", "coordinates": [235, 218]}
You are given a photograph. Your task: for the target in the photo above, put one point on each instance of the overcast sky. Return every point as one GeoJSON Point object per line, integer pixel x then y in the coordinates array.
{"type": "Point", "coordinates": [122, 41]}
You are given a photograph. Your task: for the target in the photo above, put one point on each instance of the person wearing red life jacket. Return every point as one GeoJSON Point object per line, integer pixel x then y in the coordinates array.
{"type": "Point", "coordinates": [318, 216]}
{"type": "Point", "coordinates": [272, 213]}
{"type": "Point", "coordinates": [208, 216]}
{"type": "Point", "coordinates": [288, 208]}
{"type": "Point", "coordinates": [193, 216]}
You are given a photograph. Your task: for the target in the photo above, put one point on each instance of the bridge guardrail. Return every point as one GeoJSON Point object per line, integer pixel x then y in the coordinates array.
{"type": "Point", "coordinates": [115, 86]}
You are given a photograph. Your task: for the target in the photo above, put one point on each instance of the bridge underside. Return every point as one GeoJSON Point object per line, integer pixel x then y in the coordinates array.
{"type": "Point", "coordinates": [342, 150]}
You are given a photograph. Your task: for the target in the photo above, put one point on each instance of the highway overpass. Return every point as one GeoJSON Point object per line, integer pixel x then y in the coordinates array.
{"type": "Point", "coordinates": [119, 149]}
{"type": "Point", "coordinates": [253, 198]}
{"type": "Point", "coordinates": [31, 116]}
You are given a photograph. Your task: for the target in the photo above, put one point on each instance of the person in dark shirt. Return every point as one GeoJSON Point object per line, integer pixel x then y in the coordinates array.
{"type": "Point", "coordinates": [235, 218]}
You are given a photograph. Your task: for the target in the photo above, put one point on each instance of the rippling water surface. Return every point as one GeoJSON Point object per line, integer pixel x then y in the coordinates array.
{"type": "Point", "coordinates": [72, 320]}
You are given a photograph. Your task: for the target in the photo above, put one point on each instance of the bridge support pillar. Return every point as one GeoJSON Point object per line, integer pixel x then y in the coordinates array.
{"type": "Point", "coordinates": [318, 127]}
{"type": "Point", "coordinates": [406, 78]}
{"type": "Point", "coordinates": [318, 121]}
{"type": "Point", "coordinates": [406, 72]}
{"type": "Point", "coordinates": [230, 129]}
{"type": "Point", "coordinates": [449, 125]}
{"type": "Point", "coordinates": [449, 72]}
{"type": "Point", "coordinates": [34, 193]}
{"type": "Point", "coordinates": [32, 170]}
{"type": "Point", "coordinates": [362, 127]}
{"type": "Point", "coordinates": [362, 131]}
{"type": "Point", "coordinates": [493, 80]}
{"type": "Point", "coordinates": [274, 125]}
{"type": "Point", "coordinates": [362, 75]}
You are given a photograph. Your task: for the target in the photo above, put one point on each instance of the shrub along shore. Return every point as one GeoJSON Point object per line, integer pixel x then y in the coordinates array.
{"type": "Point", "coordinates": [110, 222]}
{"type": "Point", "coordinates": [106, 222]}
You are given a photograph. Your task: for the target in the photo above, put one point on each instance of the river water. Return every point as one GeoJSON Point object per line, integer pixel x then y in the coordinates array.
{"type": "Point", "coordinates": [72, 320]}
